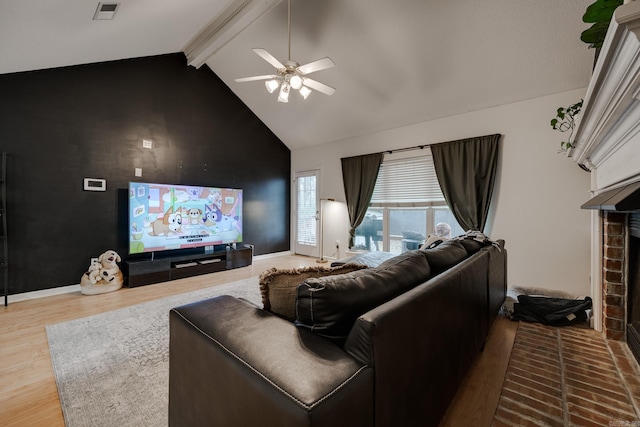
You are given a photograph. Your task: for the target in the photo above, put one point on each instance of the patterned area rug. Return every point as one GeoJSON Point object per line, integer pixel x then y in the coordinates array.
{"type": "Point", "coordinates": [112, 369]}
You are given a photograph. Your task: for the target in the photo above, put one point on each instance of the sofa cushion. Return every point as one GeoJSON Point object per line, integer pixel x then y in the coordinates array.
{"type": "Point", "coordinates": [329, 306]}
{"type": "Point", "coordinates": [278, 286]}
{"type": "Point", "coordinates": [445, 255]}
{"type": "Point", "coordinates": [471, 245]}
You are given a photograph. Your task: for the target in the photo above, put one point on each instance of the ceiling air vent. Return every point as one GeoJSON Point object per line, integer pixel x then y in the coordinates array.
{"type": "Point", "coordinates": [105, 11]}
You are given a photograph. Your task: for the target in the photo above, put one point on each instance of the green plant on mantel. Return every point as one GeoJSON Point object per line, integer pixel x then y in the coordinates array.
{"type": "Point", "coordinates": [599, 13]}
{"type": "Point", "coordinates": [564, 121]}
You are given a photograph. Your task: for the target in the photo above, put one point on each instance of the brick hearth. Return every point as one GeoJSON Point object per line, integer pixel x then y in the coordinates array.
{"type": "Point", "coordinates": [568, 376]}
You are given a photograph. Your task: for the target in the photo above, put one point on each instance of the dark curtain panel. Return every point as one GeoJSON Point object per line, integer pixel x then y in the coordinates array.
{"type": "Point", "coordinates": [466, 171]}
{"type": "Point", "coordinates": [359, 176]}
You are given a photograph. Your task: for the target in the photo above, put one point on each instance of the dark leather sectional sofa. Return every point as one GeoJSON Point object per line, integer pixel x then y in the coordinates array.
{"type": "Point", "coordinates": [383, 346]}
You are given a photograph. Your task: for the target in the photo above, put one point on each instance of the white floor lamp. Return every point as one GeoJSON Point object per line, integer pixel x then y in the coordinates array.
{"type": "Point", "coordinates": [322, 260]}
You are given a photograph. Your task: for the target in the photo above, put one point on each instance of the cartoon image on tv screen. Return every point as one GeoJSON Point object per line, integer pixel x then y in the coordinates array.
{"type": "Point", "coordinates": [164, 217]}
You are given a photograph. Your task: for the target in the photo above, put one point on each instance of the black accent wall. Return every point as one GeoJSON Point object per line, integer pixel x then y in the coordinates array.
{"type": "Point", "coordinates": [62, 125]}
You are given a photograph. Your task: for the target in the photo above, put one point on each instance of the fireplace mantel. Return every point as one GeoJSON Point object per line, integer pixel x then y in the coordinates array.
{"type": "Point", "coordinates": [607, 135]}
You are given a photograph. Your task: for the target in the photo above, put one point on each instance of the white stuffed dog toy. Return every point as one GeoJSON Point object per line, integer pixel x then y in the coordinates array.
{"type": "Point", "coordinates": [103, 275]}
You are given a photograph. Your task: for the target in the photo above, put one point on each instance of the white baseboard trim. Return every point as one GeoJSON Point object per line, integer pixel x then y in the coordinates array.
{"type": "Point", "coordinates": [43, 293]}
{"type": "Point", "coordinates": [273, 255]}
{"type": "Point", "coordinates": [76, 288]}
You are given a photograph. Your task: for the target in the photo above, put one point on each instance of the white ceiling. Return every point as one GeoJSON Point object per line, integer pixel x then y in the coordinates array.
{"type": "Point", "coordinates": [397, 62]}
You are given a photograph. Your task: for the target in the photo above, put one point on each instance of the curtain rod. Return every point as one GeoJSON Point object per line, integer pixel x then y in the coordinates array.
{"type": "Point", "coordinates": [420, 147]}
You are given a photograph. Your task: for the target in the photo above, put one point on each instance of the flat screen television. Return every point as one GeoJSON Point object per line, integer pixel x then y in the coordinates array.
{"type": "Point", "coordinates": [165, 216]}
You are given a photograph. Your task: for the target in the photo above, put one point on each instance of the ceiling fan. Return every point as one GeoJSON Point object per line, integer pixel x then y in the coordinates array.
{"type": "Point", "coordinates": [291, 75]}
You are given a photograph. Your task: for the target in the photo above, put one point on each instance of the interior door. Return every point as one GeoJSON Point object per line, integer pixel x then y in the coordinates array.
{"type": "Point", "coordinates": [307, 205]}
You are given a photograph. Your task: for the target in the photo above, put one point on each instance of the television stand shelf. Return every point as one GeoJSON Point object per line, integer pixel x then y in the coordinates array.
{"type": "Point", "coordinates": [145, 272]}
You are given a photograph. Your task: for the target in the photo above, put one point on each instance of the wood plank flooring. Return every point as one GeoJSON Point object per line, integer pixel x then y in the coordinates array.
{"type": "Point", "coordinates": [28, 394]}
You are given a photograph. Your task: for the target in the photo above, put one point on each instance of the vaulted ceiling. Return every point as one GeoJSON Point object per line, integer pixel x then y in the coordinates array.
{"type": "Point", "coordinates": [397, 62]}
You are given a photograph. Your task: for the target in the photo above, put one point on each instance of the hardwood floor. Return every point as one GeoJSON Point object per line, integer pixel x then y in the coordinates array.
{"type": "Point", "coordinates": [478, 396]}
{"type": "Point", "coordinates": [28, 394]}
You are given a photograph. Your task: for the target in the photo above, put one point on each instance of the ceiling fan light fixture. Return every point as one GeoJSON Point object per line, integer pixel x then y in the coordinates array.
{"type": "Point", "coordinates": [296, 82]}
{"type": "Point", "coordinates": [289, 74]}
{"type": "Point", "coordinates": [271, 85]}
{"type": "Point", "coordinates": [305, 92]}
{"type": "Point", "coordinates": [284, 92]}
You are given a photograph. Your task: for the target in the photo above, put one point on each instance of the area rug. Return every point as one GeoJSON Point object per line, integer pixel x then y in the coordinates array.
{"type": "Point", "coordinates": [112, 369]}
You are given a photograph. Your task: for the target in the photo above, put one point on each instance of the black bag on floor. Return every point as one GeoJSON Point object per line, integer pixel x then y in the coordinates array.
{"type": "Point", "coordinates": [551, 311]}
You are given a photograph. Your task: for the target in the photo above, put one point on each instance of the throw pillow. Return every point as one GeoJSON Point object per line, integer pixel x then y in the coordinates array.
{"type": "Point", "coordinates": [278, 286]}
{"type": "Point", "coordinates": [329, 306]}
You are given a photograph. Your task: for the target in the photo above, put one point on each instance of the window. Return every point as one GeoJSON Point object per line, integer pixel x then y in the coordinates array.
{"type": "Point", "coordinates": [406, 206]}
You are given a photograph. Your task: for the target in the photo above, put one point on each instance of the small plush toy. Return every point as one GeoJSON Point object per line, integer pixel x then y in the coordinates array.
{"type": "Point", "coordinates": [103, 275]}
{"type": "Point", "coordinates": [94, 270]}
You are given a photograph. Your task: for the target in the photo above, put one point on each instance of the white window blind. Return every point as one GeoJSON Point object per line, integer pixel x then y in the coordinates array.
{"type": "Point", "coordinates": [407, 181]}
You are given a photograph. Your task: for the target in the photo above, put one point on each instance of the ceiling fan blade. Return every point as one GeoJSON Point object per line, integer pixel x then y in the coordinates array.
{"type": "Point", "coordinates": [320, 64]}
{"type": "Point", "coordinates": [268, 57]}
{"type": "Point", "coordinates": [254, 78]}
{"type": "Point", "coordinates": [320, 87]}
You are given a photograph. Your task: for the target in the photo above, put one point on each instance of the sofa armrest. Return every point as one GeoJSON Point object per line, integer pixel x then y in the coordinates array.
{"type": "Point", "coordinates": [231, 363]}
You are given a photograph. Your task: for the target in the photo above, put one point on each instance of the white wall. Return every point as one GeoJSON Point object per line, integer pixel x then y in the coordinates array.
{"type": "Point", "coordinates": [536, 202]}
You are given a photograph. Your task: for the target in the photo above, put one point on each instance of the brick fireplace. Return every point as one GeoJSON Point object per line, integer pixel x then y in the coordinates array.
{"type": "Point", "coordinates": [607, 143]}
{"type": "Point", "coordinates": [614, 289]}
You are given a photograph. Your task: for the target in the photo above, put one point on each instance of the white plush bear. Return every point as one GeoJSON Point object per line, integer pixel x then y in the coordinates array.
{"type": "Point", "coordinates": [94, 270]}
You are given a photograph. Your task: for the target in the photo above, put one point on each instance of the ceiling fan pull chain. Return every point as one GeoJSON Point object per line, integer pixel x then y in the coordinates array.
{"type": "Point", "coordinates": [289, 25]}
